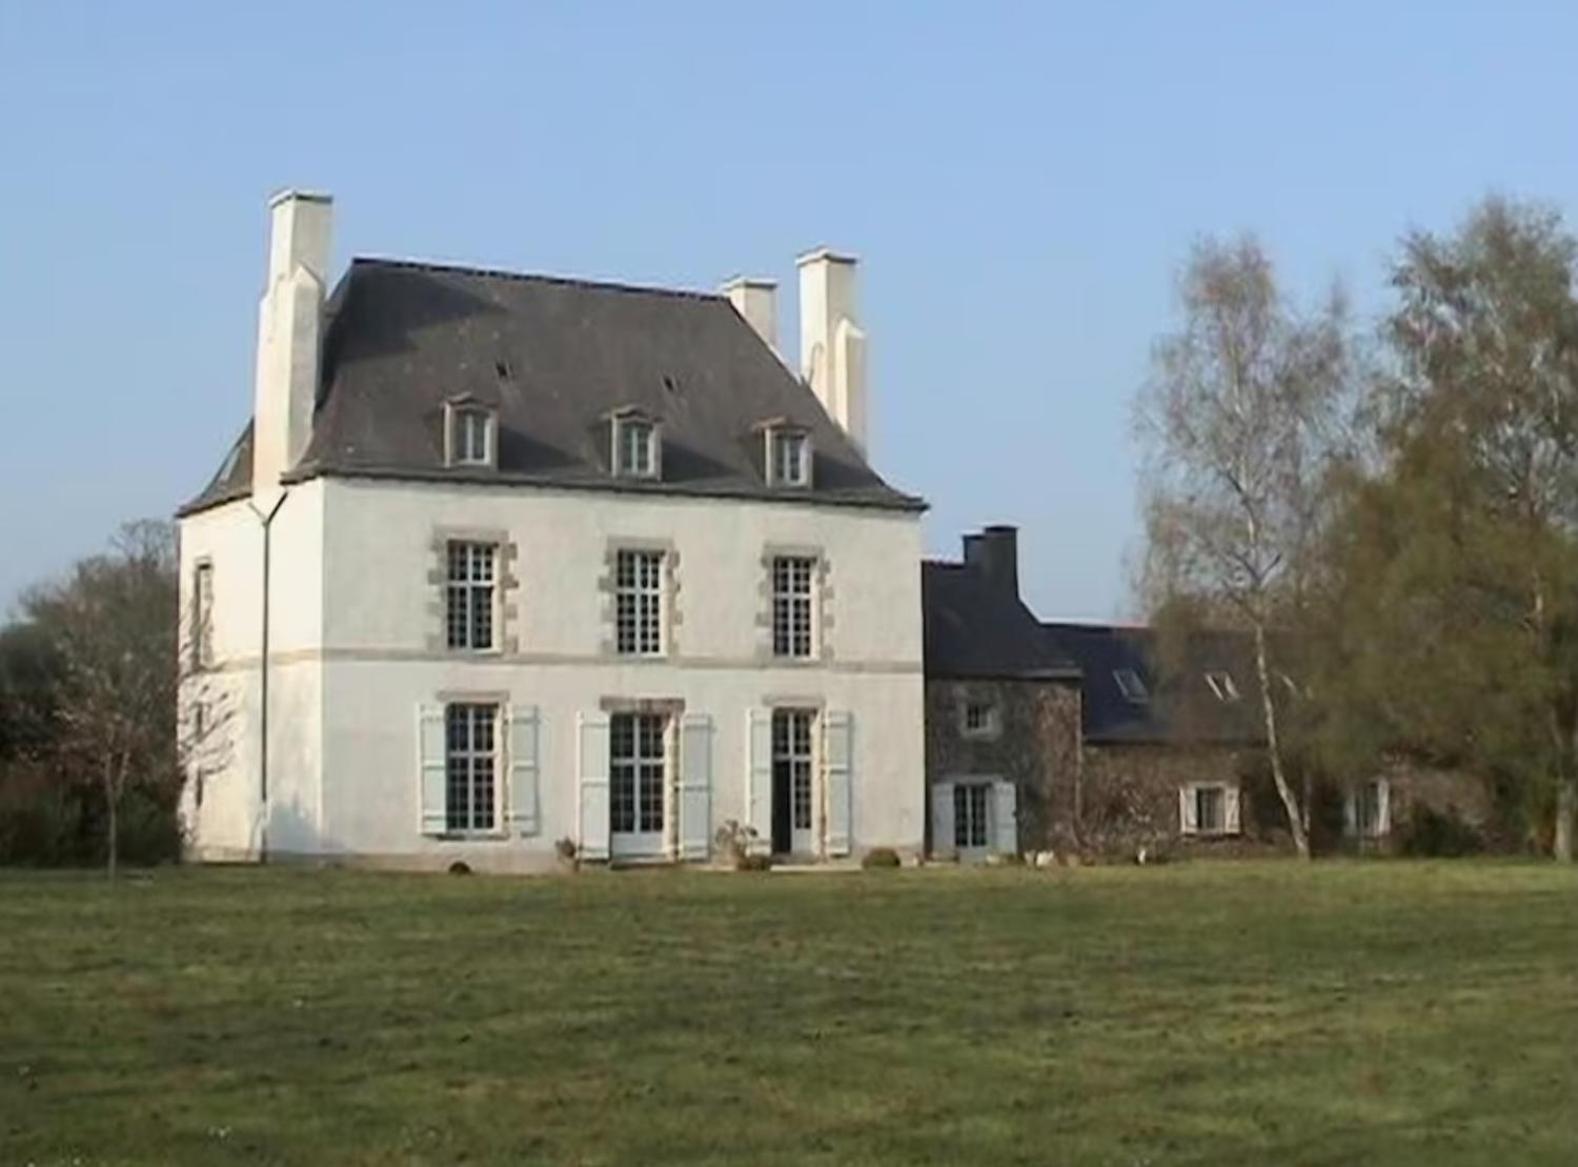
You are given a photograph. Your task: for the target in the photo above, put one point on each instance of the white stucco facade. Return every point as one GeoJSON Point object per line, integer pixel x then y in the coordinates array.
{"type": "Point", "coordinates": [358, 664]}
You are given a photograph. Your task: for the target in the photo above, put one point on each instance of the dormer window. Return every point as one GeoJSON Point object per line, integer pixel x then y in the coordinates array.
{"type": "Point", "coordinates": [1131, 686]}
{"type": "Point", "coordinates": [789, 457]}
{"type": "Point", "coordinates": [1221, 684]}
{"type": "Point", "coordinates": [786, 454]}
{"type": "Point", "coordinates": [636, 453]}
{"type": "Point", "coordinates": [471, 432]}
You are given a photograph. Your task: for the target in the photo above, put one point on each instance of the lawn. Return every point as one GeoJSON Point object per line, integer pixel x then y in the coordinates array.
{"type": "Point", "coordinates": [1210, 1013]}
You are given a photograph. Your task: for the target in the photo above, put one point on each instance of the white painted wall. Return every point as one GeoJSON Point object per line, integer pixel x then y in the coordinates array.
{"type": "Point", "coordinates": [357, 615]}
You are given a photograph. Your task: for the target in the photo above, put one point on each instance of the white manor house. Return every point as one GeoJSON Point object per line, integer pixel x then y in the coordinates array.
{"type": "Point", "coordinates": [503, 560]}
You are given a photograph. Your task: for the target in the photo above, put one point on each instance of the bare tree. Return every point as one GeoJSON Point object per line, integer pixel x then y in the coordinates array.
{"type": "Point", "coordinates": [1238, 424]}
{"type": "Point", "coordinates": [113, 622]}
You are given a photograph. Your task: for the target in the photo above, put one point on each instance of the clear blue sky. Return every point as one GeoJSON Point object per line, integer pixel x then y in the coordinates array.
{"type": "Point", "coordinates": [1021, 183]}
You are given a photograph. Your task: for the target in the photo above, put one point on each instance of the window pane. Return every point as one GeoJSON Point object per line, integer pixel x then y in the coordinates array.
{"type": "Point", "coordinates": [638, 603]}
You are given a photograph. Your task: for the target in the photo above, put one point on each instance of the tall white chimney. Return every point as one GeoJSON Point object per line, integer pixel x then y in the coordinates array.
{"type": "Point", "coordinates": [832, 345]}
{"type": "Point", "coordinates": [757, 302]}
{"type": "Point", "coordinates": [290, 324]}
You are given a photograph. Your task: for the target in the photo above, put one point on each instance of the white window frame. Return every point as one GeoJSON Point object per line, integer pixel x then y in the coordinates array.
{"type": "Point", "coordinates": [793, 587]}
{"type": "Point", "coordinates": [469, 593]}
{"type": "Point", "coordinates": [1221, 684]}
{"type": "Point", "coordinates": [637, 436]}
{"type": "Point", "coordinates": [640, 596]}
{"type": "Point", "coordinates": [478, 755]}
{"type": "Point", "coordinates": [794, 734]}
{"type": "Point", "coordinates": [1132, 686]}
{"type": "Point", "coordinates": [989, 728]}
{"type": "Point", "coordinates": [788, 456]}
{"type": "Point", "coordinates": [470, 435]}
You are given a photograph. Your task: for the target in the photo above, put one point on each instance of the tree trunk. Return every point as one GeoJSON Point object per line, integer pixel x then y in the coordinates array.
{"type": "Point", "coordinates": [112, 817]}
{"type": "Point", "coordinates": [1274, 747]}
{"type": "Point", "coordinates": [1566, 804]}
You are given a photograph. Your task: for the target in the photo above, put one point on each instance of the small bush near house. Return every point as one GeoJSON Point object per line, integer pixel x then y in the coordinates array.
{"type": "Point", "coordinates": [1433, 833]}
{"type": "Point", "coordinates": [568, 853]}
{"type": "Point", "coordinates": [737, 841]}
{"type": "Point", "coordinates": [880, 857]}
{"type": "Point", "coordinates": [459, 867]}
{"type": "Point", "coordinates": [753, 862]}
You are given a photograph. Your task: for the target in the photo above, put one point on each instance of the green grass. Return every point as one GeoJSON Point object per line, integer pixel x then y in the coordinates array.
{"type": "Point", "coordinates": [1235, 1013]}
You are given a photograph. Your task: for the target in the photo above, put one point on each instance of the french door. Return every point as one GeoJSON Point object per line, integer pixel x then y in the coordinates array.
{"type": "Point", "coordinates": [794, 797]}
{"type": "Point", "coordinates": [637, 780]}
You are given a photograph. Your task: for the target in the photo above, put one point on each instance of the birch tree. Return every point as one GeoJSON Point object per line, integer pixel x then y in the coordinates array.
{"type": "Point", "coordinates": [1238, 425]}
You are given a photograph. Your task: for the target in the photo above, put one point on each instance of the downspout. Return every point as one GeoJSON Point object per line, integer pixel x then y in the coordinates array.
{"type": "Point", "coordinates": [266, 522]}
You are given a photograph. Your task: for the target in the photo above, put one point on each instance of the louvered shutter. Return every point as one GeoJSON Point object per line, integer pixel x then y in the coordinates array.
{"type": "Point", "coordinates": [1383, 807]}
{"type": "Point", "coordinates": [1230, 808]}
{"type": "Point", "coordinates": [1005, 818]}
{"type": "Point", "coordinates": [838, 747]}
{"type": "Point", "coordinates": [1186, 810]}
{"type": "Point", "coordinates": [523, 795]}
{"type": "Point", "coordinates": [759, 776]}
{"type": "Point", "coordinates": [695, 785]}
{"type": "Point", "coordinates": [942, 843]}
{"type": "Point", "coordinates": [592, 787]}
{"type": "Point", "coordinates": [432, 793]}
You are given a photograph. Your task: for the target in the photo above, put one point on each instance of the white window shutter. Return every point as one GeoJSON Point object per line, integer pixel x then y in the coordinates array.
{"type": "Point", "coordinates": [695, 785]}
{"type": "Point", "coordinates": [759, 776]}
{"type": "Point", "coordinates": [1383, 804]}
{"type": "Point", "coordinates": [942, 818]}
{"type": "Point", "coordinates": [1005, 818]}
{"type": "Point", "coordinates": [592, 788]}
{"type": "Point", "coordinates": [1186, 811]}
{"type": "Point", "coordinates": [838, 748]}
{"type": "Point", "coordinates": [431, 769]}
{"type": "Point", "coordinates": [1230, 817]}
{"type": "Point", "coordinates": [523, 796]}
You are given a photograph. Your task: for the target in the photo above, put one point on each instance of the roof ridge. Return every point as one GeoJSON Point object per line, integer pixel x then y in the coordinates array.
{"type": "Point", "coordinates": [531, 277]}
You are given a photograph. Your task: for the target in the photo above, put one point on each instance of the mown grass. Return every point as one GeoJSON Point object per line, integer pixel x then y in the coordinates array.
{"type": "Point", "coordinates": [1237, 1013]}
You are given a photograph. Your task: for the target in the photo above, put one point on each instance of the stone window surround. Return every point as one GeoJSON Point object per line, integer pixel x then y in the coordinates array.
{"type": "Point", "coordinates": [608, 589]}
{"type": "Point", "coordinates": [992, 730]}
{"type": "Point", "coordinates": [821, 606]}
{"type": "Point", "coordinates": [506, 614]}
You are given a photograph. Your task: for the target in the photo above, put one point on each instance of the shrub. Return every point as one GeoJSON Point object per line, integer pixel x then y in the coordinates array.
{"type": "Point", "coordinates": [738, 843]}
{"type": "Point", "coordinates": [1433, 833]}
{"type": "Point", "coordinates": [459, 867]}
{"type": "Point", "coordinates": [880, 857]}
{"type": "Point", "coordinates": [757, 862]}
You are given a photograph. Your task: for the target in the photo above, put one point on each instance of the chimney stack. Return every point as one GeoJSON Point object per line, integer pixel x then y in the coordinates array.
{"type": "Point", "coordinates": [290, 323]}
{"type": "Point", "coordinates": [832, 345]}
{"type": "Point", "coordinates": [757, 302]}
{"type": "Point", "coordinates": [995, 554]}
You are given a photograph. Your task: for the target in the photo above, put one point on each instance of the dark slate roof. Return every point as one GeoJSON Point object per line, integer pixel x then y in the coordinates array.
{"type": "Point", "coordinates": [976, 628]}
{"type": "Point", "coordinates": [1182, 707]}
{"type": "Point", "coordinates": [555, 357]}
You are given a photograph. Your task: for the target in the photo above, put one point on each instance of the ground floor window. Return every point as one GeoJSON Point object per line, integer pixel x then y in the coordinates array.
{"type": "Point", "coordinates": [1371, 811]}
{"type": "Point", "coordinates": [1210, 810]}
{"type": "Point", "coordinates": [792, 780]}
{"type": "Point", "coordinates": [470, 766]}
{"type": "Point", "coordinates": [637, 765]}
{"type": "Point", "coordinates": [970, 826]}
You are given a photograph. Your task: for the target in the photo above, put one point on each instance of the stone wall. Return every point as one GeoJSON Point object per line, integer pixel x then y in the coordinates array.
{"type": "Point", "coordinates": [1035, 743]}
{"type": "Point", "coordinates": [1129, 798]}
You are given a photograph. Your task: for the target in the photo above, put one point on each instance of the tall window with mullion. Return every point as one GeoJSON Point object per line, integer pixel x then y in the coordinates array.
{"type": "Point", "coordinates": [792, 576]}
{"type": "Point", "coordinates": [470, 595]}
{"type": "Point", "coordinates": [637, 763]}
{"type": "Point", "coordinates": [638, 615]}
{"type": "Point", "coordinates": [970, 827]}
{"type": "Point", "coordinates": [471, 766]}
